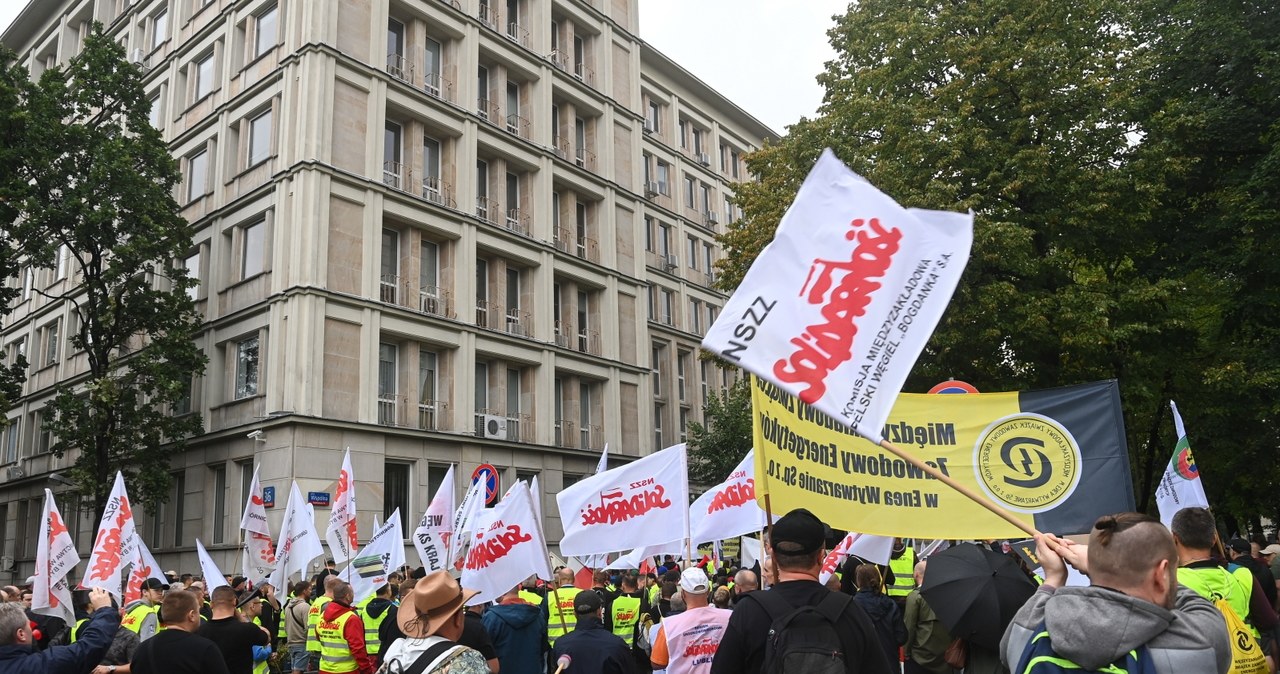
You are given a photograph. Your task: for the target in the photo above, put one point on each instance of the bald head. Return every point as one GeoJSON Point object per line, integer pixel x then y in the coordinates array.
{"type": "Point", "coordinates": [745, 581]}
{"type": "Point", "coordinates": [565, 577]}
{"type": "Point", "coordinates": [918, 572]}
{"type": "Point", "coordinates": [331, 584]}
{"type": "Point", "coordinates": [1125, 548]}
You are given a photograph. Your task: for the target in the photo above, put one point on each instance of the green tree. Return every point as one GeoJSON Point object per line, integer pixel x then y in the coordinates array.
{"type": "Point", "coordinates": [99, 182]}
{"type": "Point", "coordinates": [14, 125]}
{"type": "Point", "coordinates": [1028, 113]}
{"type": "Point", "coordinates": [717, 446]}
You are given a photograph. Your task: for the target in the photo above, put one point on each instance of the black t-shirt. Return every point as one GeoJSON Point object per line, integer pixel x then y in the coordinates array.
{"type": "Point", "coordinates": [173, 651]}
{"type": "Point", "coordinates": [475, 636]}
{"type": "Point", "coordinates": [236, 640]}
{"type": "Point", "coordinates": [741, 650]}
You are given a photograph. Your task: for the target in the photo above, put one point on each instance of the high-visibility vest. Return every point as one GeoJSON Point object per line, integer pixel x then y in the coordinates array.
{"type": "Point", "coordinates": [903, 568]}
{"type": "Point", "coordinates": [281, 633]}
{"type": "Point", "coordinates": [335, 652]}
{"type": "Point", "coordinates": [142, 618]}
{"type": "Point", "coordinates": [1039, 658]}
{"type": "Point", "coordinates": [625, 613]}
{"type": "Point", "coordinates": [1215, 583]}
{"type": "Point", "coordinates": [313, 619]}
{"type": "Point", "coordinates": [531, 597]}
{"type": "Point", "coordinates": [372, 644]}
{"type": "Point", "coordinates": [560, 616]}
{"type": "Point", "coordinates": [259, 667]}
{"type": "Point", "coordinates": [75, 631]}
{"type": "Point", "coordinates": [653, 594]}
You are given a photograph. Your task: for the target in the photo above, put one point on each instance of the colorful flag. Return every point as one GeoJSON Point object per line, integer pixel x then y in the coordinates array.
{"type": "Point", "coordinates": [299, 542]}
{"type": "Point", "coordinates": [505, 552]}
{"type": "Point", "coordinates": [465, 521]}
{"type": "Point", "coordinates": [341, 532]}
{"type": "Point", "coordinates": [728, 509]}
{"type": "Point", "coordinates": [55, 557]}
{"type": "Point", "coordinates": [259, 553]}
{"type": "Point", "coordinates": [383, 554]}
{"type": "Point", "coordinates": [838, 307]}
{"type": "Point", "coordinates": [874, 549]}
{"type": "Point", "coordinates": [435, 529]}
{"type": "Point", "coordinates": [113, 546]}
{"type": "Point", "coordinates": [1180, 486]}
{"type": "Point", "coordinates": [212, 575]}
{"type": "Point", "coordinates": [636, 504]}
{"type": "Point", "coordinates": [144, 566]}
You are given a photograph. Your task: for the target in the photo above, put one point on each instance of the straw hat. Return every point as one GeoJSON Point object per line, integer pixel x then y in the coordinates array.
{"type": "Point", "coordinates": [431, 602]}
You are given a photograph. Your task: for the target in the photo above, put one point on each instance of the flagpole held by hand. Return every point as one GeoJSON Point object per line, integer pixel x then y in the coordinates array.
{"type": "Point", "coordinates": [966, 491]}
{"type": "Point", "coordinates": [563, 663]}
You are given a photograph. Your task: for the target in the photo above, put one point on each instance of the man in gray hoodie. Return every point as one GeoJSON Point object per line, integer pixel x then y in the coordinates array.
{"type": "Point", "coordinates": [1134, 600]}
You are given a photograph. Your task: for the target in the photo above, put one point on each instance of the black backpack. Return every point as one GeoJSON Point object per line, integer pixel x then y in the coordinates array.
{"type": "Point", "coordinates": [803, 639]}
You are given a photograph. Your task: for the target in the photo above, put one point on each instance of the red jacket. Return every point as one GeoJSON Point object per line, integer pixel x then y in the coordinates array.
{"type": "Point", "coordinates": [353, 632]}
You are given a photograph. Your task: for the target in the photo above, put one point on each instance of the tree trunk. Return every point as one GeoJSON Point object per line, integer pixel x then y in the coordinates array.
{"type": "Point", "coordinates": [1149, 462]}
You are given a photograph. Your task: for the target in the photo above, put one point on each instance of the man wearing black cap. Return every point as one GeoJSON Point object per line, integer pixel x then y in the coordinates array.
{"type": "Point", "coordinates": [141, 615]}
{"type": "Point", "coordinates": [1240, 552]}
{"type": "Point", "coordinates": [796, 549]}
{"type": "Point", "coordinates": [592, 647]}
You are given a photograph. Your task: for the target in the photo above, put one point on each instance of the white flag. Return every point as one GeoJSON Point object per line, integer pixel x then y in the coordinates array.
{"type": "Point", "coordinates": [299, 543]}
{"type": "Point", "coordinates": [751, 552]}
{"type": "Point", "coordinates": [838, 307]}
{"type": "Point", "coordinates": [1180, 486]}
{"type": "Point", "coordinates": [637, 504]}
{"type": "Point", "coordinates": [603, 464]}
{"type": "Point", "coordinates": [874, 549]}
{"type": "Point", "coordinates": [633, 559]}
{"type": "Point", "coordinates": [536, 492]}
{"type": "Point", "coordinates": [341, 532]}
{"type": "Point", "coordinates": [144, 566]}
{"type": "Point", "coordinates": [435, 529]}
{"type": "Point", "coordinates": [55, 557]}
{"type": "Point", "coordinates": [507, 550]}
{"type": "Point", "coordinates": [259, 553]}
{"type": "Point", "coordinates": [113, 546]}
{"type": "Point", "coordinates": [383, 554]}
{"type": "Point", "coordinates": [728, 509]}
{"type": "Point", "coordinates": [465, 520]}
{"type": "Point", "coordinates": [212, 575]}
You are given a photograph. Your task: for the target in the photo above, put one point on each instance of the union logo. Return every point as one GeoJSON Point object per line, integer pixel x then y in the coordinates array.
{"type": "Point", "coordinates": [1183, 462]}
{"type": "Point", "coordinates": [1027, 462]}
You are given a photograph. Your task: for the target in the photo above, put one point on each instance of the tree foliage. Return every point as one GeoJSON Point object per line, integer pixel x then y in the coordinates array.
{"type": "Point", "coordinates": [1098, 144]}
{"type": "Point", "coordinates": [717, 446]}
{"type": "Point", "coordinates": [92, 176]}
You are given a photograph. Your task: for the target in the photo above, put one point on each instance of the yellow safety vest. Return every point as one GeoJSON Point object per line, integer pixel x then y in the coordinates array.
{"type": "Point", "coordinates": [75, 631]}
{"type": "Point", "coordinates": [1218, 583]}
{"type": "Point", "coordinates": [560, 616]}
{"type": "Point", "coordinates": [625, 613]}
{"type": "Point", "coordinates": [372, 644]}
{"type": "Point", "coordinates": [281, 633]}
{"type": "Point", "coordinates": [653, 594]}
{"type": "Point", "coordinates": [531, 597]}
{"type": "Point", "coordinates": [335, 652]}
{"type": "Point", "coordinates": [904, 580]}
{"type": "Point", "coordinates": [259, 667]}
{"type": "Point", "coordinates": [134, 618]}
{"type": "Point", "coordinates": [313, 619]}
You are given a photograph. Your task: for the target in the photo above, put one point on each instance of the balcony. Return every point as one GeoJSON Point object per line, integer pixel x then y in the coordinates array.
{"type": "Point", "coordinates": [394, 174]}
{"type": "Point", "coordinates": [486, 209]}
{"type": "Point", "coordinates": [559, 59]}
{"type": "Point", "coordinates": [585, 158]}
{"type": "Point", "coordinates": [488, 110]}
{"type": "Point", "coordinates": [400, 67]}
{"type": "Point", "coordinates": [438, 86]}
{"type": "Point", "coordinates": [560, 146]}
{"type": "Point", "coordinates": [583, 73]}
{"type": "Point", "coordinates": [435, 301]}
{"type": "Point", "coordinates": [567, 241]}
{"type": "Point", "coordinates": [390, 407]}
{"type": "Point", "coordinates": [517, 125]}
{"type": "Point", "coordinates": [487, 311]}
{"type": "Point", "coordinates": [397, 410]}
{"type": "Point", "coordinates": [490, 17]}
{"type": "Point", "coordinates": [564, 432]}
{"type": "Point", "coordinates": [437, 191]}
{"type": "Point", "coordinates": [518, 323]}
{"type": "Point", "coordinates": [426, 299]}
{"type": "Point", "coordinates": [571, 435]}
{"type": "Point", "coordinates": [517, 222]}
{"type": "Point", "coordinates": [517, 34]}
{"type": "Point", "coordinates": [587, 341]}
{"type": "Point", "coordinates": [564, 340]}
{"type": "Point", "coordinates": [389, 289]}
{"type": "Point", "coordinates": [590, 436]}
{"type": "Point", "coordinates": [431, 415]}
{"type": "Point", "coordinates": [495, 425]}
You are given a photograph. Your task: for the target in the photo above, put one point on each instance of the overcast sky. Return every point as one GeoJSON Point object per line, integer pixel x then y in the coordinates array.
{"type": "Point", "coordinates": [761, 54]}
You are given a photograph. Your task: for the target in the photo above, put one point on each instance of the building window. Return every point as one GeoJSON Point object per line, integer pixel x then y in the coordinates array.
{"type": "Point", "coordinates": [652, 122]}
{"type": "Point", "coordinates": [44, 438]}
{"type": "Point", "coordinates": [435, 477]}
{"type": "Point", "coordinates": [688, 193]}
{"type": "Point", "coordinates": [395, 480]}
{"type": "Point", "coordinates": [159, 28]}
{"type": "Point", "coordinates": [389, 266]}
{"type": "Point", "coordinates": [265, 29]}
{"type": "Point", "coordinates": [192, 264]}
{"type": "Point", "coordinates": [11, 435]}
{"type": "Point", "coordinates": [569, 479]}
{"type": "Point", "coordinates": [51, 343]}
{"type": "Point", "coordinates": [693, 253]}
{"type": "Point", "coordinates": [260, 138]}
{"type": "Point", "coordinates": [253, 249]}
{"type": "Point", "coordinates": [154, 115]}
{"type": "Point", "coordinates": [219, 503]}
{"type": "Point", "coordinates": [428, 369]}
{"type": "Point", "coordinates": [204, 72]}
{"type": "Point", "coordinates": [682, 364]}
{"type": "Point", "coordinates": [684, 424]}
{"type": "Point", "coordinates": [183, 406]}
{"type": "Point", "coordinates": [584, 416]}
{"type": "Point", "coordinates": [656, 365]}
{"type": "Point", "coordinates": [387, 384]}
{"type": "Point", "coordinates": [247, 368]}
{"type": "Point", "coordinates": [658, 411]}
{"type": "Point", "coordinates": [664, 184]}
{"type": "Point", "coordinates": [682, 130]}
{"type": "Point", "coordinates": [179, 501]}
{"type": "Point", "coordinates": [695, 314]}
{"type": "Point", "coordinates": [197, 175]}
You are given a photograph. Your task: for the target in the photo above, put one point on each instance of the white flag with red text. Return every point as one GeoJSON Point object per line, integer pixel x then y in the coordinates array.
{"type": "Point", "coordinates": [730, 508]}
{"type": "Point", "coordinates": [212, 574]}
{"type": "Point", "coordinates": [341, 532]}
{"type": "Point", "coordinates": [509, 548]}
{"type": "Point", "coordinates": [838, 307]}
{"type": "Point", "coordinates": [383, 554]}
{"type": "Point", "coordinates": [874, 549]}
{"type": "Point", "coordinates": [144, 566]}
{"type": "Point", "coordinates": [465, 519]}
{"type": "Point", "coordinates": [259, 552]}
{"type": "Point", "coordinates": [435, 530]}
{"type": "Point", "coordinates": [55, 557]}
{"type": "Point", "coordinates": [299, 542]}
{"type": "Point", "coordinates": [113, 546]}
{"type": "Point", "coordinates": [641, 503]}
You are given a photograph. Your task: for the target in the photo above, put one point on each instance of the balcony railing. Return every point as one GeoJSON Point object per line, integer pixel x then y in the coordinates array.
{"type": "Point", "coordinates": [438, 86]}
{"type": "Point", "coordinates": [407, 293]}
{"type": "Point", "coordinates": [400, 67]}
{"type": "Point", "coordinates": [389, 405]}
{"type": "Point", "coordinates": [587, 341]}
{"type": "Point", "coordinates": [564, 432]}
{"type": "Point", "coordinates": [583, 73]}
{"type": "Point", "coordinates": [516, 33]}
{"type": "Point", "coordinates": [394, 174]}
{"type": "Point", "coordinates": [567, 241]}
{"type": "Point", "coordinates": [488, 110]}
{"type": "Point", "coordinates": [490, 17]}
{"type": "Point", "coordinates": [590, 436]}
{"type": "Point", "coordinates": [518, 323]}
{"type": "Point", "coordinates": [585, 158]}
{"type": "Point", "coordinates": [431, 415]}
{"type": "Point", "coordinates": [488, 315]}
{"type": "Point", "coordinates": [559, 59]}
{"type": "Point", "coordinates": [518, 125]}
{"type": "Point", "coordinates": [518, 222]}
{"type": "Point", "coordinates": [389, 289]}
{"type": "Point", "coordinates": [438, 191]}
{"type": "Point", "coordinates": [560, 146]}
{"type": "Point", "coordinates": [486, 210]}
{"type": "Point", "coordinates": [497, 425]}
{"type": "Point", "coordinates": [564, 340]}
{"type": "Point", "coordinates": [435, 301]}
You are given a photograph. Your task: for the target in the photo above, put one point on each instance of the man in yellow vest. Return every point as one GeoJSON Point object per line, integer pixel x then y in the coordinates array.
{"type": "Point", "coordinates": [903, 565]}
{"type": "Point", "coordinates": [559, 606]}
{"type": "Point", "coordinates": [375, 610]}
{"type": "Point", "coordinates": [622, 615]}
{"type": "Point", "coordinates": [341, 635]}
{"type": "Point", "coordinates": [1194, 536]}
{"type": "Point", "coordinates": [142, 615]}
{"type": "Point", "coordinates": [313, 616]}
{"type": "Point", "coordinates": [250, 606]}
{"type": "Point", "coordinates": [528, 591]}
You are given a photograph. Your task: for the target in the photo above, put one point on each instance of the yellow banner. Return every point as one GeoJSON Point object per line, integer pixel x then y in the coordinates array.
{"type": "Point", "coordinates": [806, 460]}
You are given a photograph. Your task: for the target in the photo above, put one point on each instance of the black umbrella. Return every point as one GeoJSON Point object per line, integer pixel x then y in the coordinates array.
{"type": "Point", "coordinates": [975, 592]}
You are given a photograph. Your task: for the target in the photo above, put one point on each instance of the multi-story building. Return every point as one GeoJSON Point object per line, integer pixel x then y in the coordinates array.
{"type": "Point", "coordinates": [434, 232]}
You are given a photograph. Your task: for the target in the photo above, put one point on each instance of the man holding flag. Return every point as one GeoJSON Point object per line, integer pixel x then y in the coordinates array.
{"type": "Point", "coordinates": [18, 657]}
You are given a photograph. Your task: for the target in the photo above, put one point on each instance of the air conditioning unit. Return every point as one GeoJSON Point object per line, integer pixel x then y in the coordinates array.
{"type": "Point", "coordinates": [711, 277]}
{"type": "Point", "coordinates": [495, 427]}
{"type": "Point", "coordinates": [712, 218]}
{"type": "Point", "coordinates": [14, 473]}
{"type": "Point", "coordinates": [704, 159]}
{"type": "Point", "coordinates": [138, 58]}
{"type": "Point", "coordinates": [563, 341]}
{"type": "Point", "coordinates": [671, 262]}
{"type": "Point", "coordinates": [651, 189]}
{"type": "Point", "coordinates": [649, 130]}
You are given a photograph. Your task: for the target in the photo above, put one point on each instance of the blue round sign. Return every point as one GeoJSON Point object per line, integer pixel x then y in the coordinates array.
{"type": "Point", "coordinates": [489, 474]}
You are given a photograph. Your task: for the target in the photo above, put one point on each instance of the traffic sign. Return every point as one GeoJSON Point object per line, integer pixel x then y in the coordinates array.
{"type": "Point", "coordinates": [489, 474]}
{"type": "Point", "coordinates": [953, 386]}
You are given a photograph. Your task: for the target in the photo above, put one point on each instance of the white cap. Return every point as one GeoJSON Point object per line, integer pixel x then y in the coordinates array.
{"type": "Point", "coordinates": [694, 580]}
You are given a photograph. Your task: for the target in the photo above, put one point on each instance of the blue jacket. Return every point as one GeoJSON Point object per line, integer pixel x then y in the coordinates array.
{"type": "Point", "coordinates": [595, 649]}
{"type": "Point", "coordinates": [78, 658]}
{"type": "Point", "coordinates": [519, 635]}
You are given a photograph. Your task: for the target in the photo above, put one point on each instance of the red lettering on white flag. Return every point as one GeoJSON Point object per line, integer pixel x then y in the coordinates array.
{"type": "Point", "coordinates": [113, 546]}
{"type": "Point", "coordinates": [728, 509]}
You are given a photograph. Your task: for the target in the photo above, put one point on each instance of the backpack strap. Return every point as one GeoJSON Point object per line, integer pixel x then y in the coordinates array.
{"type": "Point", "coordinates": [833, 606]}
{"type": "Point", "coordinates": [771, 602]}
{"type": "Point", "coordinates": [429, 656]}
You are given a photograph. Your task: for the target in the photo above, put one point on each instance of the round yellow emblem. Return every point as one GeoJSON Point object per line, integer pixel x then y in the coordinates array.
{"type": "Point", "coordinates": [1027, 462]}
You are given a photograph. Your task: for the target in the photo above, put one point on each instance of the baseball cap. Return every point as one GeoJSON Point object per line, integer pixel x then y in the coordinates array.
{"type": "Point", "coordinates": [694, 580]}
{"type": "Point", "coordinates": [1240, 545]}
{"type": "Point", "coordinates": [587, 601]}
{"type": "Point", "coordinates": [153, 584]}
{"type": "Point", "coordinates": [1272, 549]}
{"type": "Point", "coordinates": [799, 532]}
